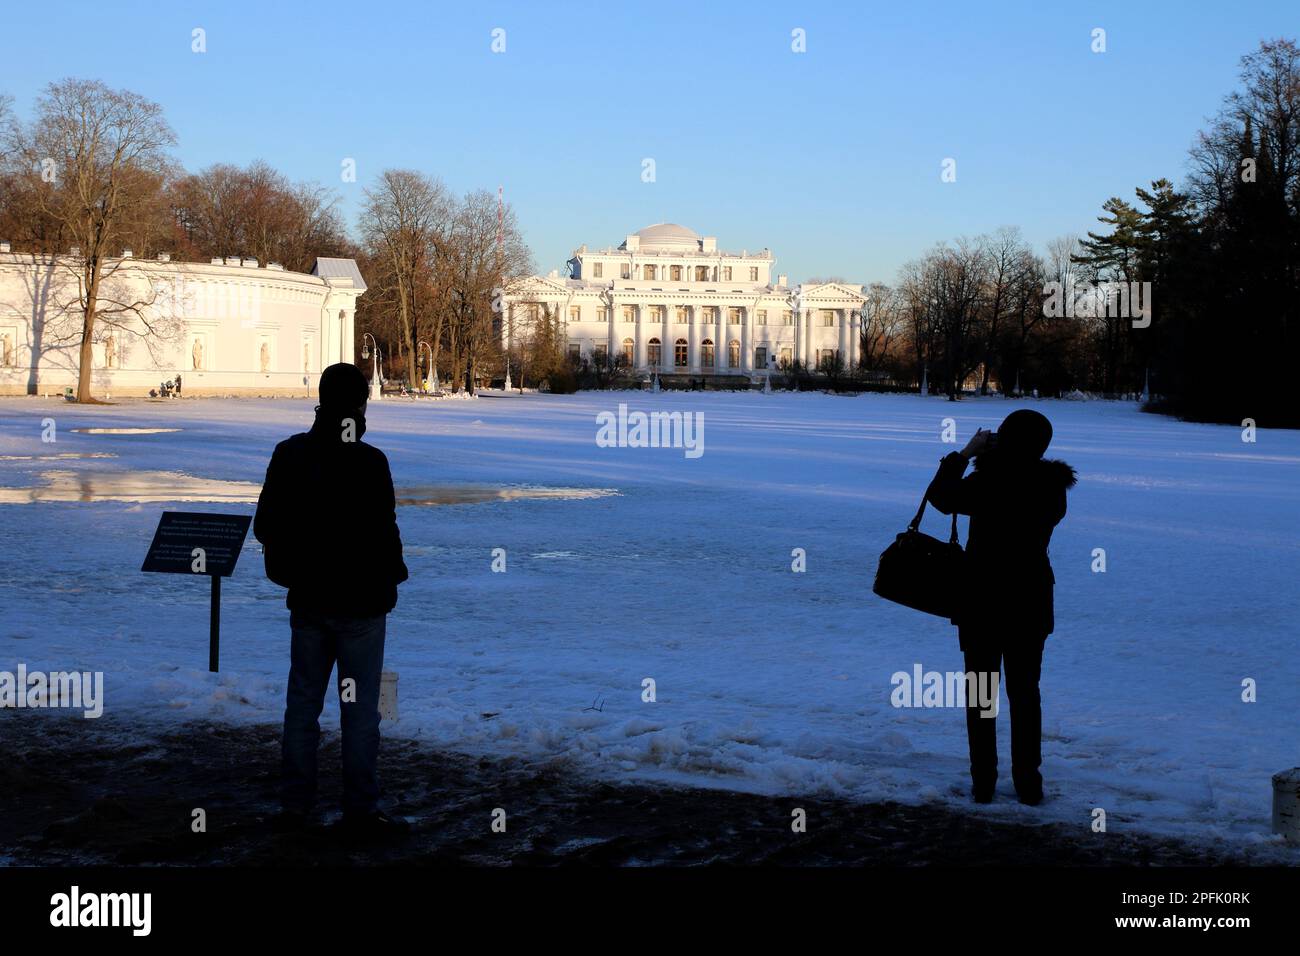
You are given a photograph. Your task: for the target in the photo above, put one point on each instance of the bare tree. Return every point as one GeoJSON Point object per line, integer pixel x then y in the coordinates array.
{"type": "Point", "coordinates": [256, 211]}
{"type": "Point", "coordinates": [883, 322]}
{"type": "Point", "coordinates": [92, 164]}
{"type": "Point", "coordinates": [404, 214]}
{"type": "Point", "coordinates": [488, 255]}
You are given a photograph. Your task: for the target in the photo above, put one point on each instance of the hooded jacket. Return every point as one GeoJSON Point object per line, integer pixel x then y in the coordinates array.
{"type": "Point", "coordinates": [327, 521]}
{"type": "Point", "coordinates": [1013, 504]}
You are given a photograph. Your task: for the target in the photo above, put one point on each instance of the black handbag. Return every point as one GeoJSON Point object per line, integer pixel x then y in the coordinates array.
{"type": "Point", "coordinates": [922, 572]}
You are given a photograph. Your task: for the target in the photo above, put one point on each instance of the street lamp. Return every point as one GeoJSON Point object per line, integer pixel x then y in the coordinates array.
{"type": "Point", "coordinates": [507, 315]}
{"type": "Point", "coordinates": [432, 375]}
{"type": "Point", "coordinates": [376, 388]}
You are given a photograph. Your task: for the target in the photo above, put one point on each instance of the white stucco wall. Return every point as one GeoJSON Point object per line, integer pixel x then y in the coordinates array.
{"type": "Point", "coordinates": [258, 330]}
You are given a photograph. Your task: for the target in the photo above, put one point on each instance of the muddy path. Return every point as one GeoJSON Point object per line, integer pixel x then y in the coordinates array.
{"type": "Point", "coordinates": [73, 792]}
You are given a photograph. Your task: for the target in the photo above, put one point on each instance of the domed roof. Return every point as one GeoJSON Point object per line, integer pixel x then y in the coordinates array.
{"type": "Point", "coordinates": [668, 235]}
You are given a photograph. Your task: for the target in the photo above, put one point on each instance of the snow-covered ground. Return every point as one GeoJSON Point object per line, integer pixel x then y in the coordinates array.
{"type": "Point", "coordinates": [767, 680]}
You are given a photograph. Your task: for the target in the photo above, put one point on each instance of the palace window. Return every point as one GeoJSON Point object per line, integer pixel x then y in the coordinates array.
{"type": "Point", "coordinates": [625, 272]}
{"type": "Point", "coordinates": [602, 315]}
{"type": "Point", "coordinates": [762, 317]}
{"type": "Point", "coordinates": [787, 318]}
{"type": "Point", "coordinates": [597, 270]}
{"type": "Point", "coordinates": [733, 316]}
{"type": "Point", "coordinates": [650, 273]}
{"type": "Point", "coordinates": [628, 346]}
{"type": "Point", "coordinates": [676, 273]}
{"type": "Point", "coordinates": [787, 357]}
{"type": "Point", "coordinates": [706, 353]}
{"type": "Point", "coordinates": [701, 273]}
{"type": "Point", "coordinates": [682, 314]}
{"type": "Point", "coordinates": [828, 317]}
{"type": "Point", "coordinates": [733, 354]}
{"type": "Point", "coordinates": [726, 273]}
{"type": "Point", "coordinates": [598, 354]}
{"type": "Point", "coordinates": [760, 357]}
{"type": "Point", "coordinates": [628, 314]}
{"type": "Point", "coordinates": [574, 312]}
{"type": "Point", "coordinates": [575, 352]}
{"type": "Point", "coordinates": [656, 352]}
{"type": "Point", "coordinates": [679, 353]}
{"type": "Point", "coordinates": [753, 273]}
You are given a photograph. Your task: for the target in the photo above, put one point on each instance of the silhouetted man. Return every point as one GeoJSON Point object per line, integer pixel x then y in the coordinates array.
{"type": "Point", "coordinates": [328, 525]}
{"type": "Point", "coordinates": [1014, 498]}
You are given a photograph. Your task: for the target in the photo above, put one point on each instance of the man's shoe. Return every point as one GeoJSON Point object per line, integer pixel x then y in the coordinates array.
{"type": "Point", "coordinates": [375, 826]}
{"type": "Point", "coordinates": [982, 793]}
{"type": "Point", "coordinates": [1030, 798]}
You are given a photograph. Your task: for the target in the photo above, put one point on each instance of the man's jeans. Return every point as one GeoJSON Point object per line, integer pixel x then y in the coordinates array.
{"type": "Point", "coordinates": [358, 646]}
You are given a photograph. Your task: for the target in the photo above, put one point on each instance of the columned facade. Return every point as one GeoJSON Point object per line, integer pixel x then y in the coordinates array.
{"type": "Point", "coordinates": [689, 309]}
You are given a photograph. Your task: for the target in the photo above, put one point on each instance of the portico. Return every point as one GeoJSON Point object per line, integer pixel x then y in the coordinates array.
{"type": "Point", "coordinates": [669, 302]}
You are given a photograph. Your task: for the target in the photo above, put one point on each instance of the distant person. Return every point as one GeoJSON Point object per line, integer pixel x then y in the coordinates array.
{"type": "Point", "coordinates": [328, 525]}
{"type": "Point", "coordinates": [178, 384]}
{"type": "Point", "coordinates": [1014, 498]}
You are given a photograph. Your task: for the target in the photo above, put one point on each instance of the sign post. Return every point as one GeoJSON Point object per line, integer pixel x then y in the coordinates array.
{"type": "Point", "coordinates": [190, 542]}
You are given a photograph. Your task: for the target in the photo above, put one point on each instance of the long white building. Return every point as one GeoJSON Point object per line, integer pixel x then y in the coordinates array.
{"type": "Point", "coordinates": [227, 327]}
{"type": "Point", "coordinates": [671, 302]}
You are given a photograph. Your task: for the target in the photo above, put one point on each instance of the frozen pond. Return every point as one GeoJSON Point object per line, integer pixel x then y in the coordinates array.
{"type": "Point", "coordinates": [766, 679]}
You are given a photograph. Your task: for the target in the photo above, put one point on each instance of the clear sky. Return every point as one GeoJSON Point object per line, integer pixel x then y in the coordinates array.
{"type": "Point", "coordinates": [831, 157]}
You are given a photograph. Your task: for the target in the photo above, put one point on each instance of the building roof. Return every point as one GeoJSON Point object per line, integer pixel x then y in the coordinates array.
{"type": "Point", "coordinates": [339, 269]}
{"type": "Point", "coordinates": [667, 235]}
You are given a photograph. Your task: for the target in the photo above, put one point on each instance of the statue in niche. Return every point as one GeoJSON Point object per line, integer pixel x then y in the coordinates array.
{"type": "Point", "coordinates": [196, 355]}
{"type": "Point", "coordinates": [264, 356]}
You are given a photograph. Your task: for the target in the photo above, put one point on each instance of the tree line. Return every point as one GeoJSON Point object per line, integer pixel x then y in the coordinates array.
{"type": "Point", "coordinates": [1187, 295]}
{"type": "Point", "coordinates": [93, 171]}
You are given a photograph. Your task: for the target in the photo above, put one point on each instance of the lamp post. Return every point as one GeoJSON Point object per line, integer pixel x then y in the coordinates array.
{"type": "Point", "coordinates": [429, 374]}
{"type": "Point", "coordinates": [376, 388]}
{"type": "Point", "coordinates": [508, 315]}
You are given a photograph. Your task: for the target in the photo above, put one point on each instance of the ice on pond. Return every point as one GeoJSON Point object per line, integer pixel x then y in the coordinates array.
{"type": "Point", "coordinates": [123, 431]}
{"type": "Point", "coordinates": [169, 486]}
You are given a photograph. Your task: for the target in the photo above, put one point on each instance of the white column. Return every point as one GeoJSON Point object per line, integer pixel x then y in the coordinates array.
{"type": "Point", "coordinates": [855, 338]}
{"type": "Point", "coordinates": [810, 343]}
{"type": "Point", "coordinates": [842, 317]}
{"type": "Point", "coordinates": [327, 335]}
{"type": "Point", "coordinates": [798, 333]}
{"type": "Point", "coordinates": [693, 353]}
{"type": "Point", "coordinates": [613, 340]}
{"type": "Point", "coordinates": [638, 346]}
{"type": "Point", "coordinates": [746, 350]}
{"type": "Point", "coordinates": [666, 350]}
{"type": "Point", "coordinates": [722, 341]}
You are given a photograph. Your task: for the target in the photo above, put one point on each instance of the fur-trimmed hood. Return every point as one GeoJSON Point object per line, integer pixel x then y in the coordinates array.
{"type": "Point", "coordinates": [1048, 470]}
{"type": "Point", "coordinates": [1059, 471]}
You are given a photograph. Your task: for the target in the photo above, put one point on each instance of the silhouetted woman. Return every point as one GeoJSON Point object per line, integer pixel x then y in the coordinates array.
{"type": "Point", "coordinates": [1014, 498]}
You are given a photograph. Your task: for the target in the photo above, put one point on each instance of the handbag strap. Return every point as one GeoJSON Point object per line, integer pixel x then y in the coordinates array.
{"type": "Point", "coordinates": [920, 512]}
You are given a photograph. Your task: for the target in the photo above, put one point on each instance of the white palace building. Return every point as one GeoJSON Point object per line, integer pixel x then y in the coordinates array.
{"type": "Point", "coordinates": [227, 327]}
{"type": "Point", "coordinates": [671, 302]}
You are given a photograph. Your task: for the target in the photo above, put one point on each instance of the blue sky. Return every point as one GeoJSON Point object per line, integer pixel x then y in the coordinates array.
{"type": "Point", "coordinates": [831, 158]}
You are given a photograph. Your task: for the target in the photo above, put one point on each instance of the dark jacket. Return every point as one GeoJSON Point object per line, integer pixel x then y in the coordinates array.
{"type": "Point", "coordinates": [327, 521]}
{"type": "Point", "coordinates": [1013, 507]}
